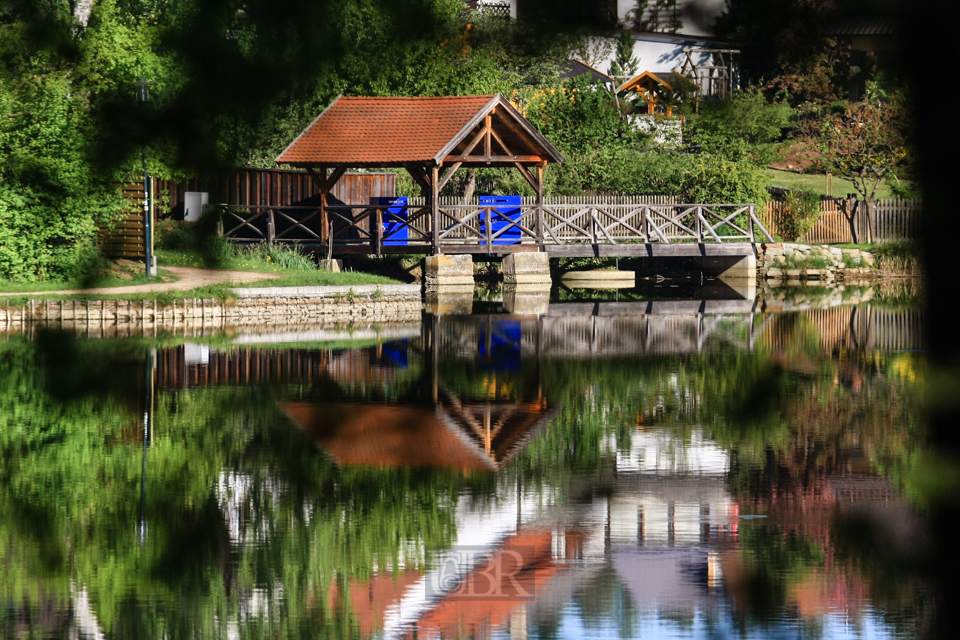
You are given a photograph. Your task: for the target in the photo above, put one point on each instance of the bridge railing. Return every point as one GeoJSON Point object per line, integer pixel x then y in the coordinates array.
{"type": "Point", "coordinates": [362, 227]}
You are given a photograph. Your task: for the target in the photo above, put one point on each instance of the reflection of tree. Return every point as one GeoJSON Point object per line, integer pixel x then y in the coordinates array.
{"type": "Point", "coordinates": [605, 598]}
{"type": "Point", "coordinates": [69, 500]}
{"type": "Point", "coordinates": [249, 522]}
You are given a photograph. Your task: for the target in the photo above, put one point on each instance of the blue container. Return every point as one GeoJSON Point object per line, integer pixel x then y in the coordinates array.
{"type": "Point", "coordinates": [395, 229]}
{"type": "Point", "coordinates": [506, 211]}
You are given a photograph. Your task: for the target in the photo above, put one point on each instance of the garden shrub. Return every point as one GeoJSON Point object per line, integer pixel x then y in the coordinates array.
{"type": "Point", "coordinates": [739, 128]}
{"type": "Point", "coordinates": [800, 213]}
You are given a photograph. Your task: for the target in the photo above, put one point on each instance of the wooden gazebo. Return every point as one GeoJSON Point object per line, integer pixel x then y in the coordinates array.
{"type": "Point", "coordinates": [429, 137]}
{"type": "Point", "coordinates": [654, 88]}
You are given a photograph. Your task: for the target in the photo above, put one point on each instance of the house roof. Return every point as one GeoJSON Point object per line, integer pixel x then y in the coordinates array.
{"type": "Point", "coordinates": [461, 613]}
{"type": "Point", "coordinates": [863, 27]}
{"type": "Point", "coordinates": [393, 132]}
{"type": "Point", "coordinates": [575, 68]}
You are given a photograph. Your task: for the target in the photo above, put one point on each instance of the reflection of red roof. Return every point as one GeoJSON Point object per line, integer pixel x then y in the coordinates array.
{"type": "Point", "coordinates": [369, 599]}
{"type": "Point", "coordinates": [386, 436]}
{"type": "Point", "coordinates": [458, 615]}
{"type": "Point", "coordinates": [465, 437]}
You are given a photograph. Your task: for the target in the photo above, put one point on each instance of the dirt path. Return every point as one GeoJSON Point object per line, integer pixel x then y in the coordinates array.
{"type": "Point", "coordinates": [190, 278]}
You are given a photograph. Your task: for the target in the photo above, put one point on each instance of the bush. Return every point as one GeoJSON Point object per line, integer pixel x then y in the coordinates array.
{"type": "Point", "coordinates": [738, 128]}
{"type": "Point", "coordinates": [701, 178]}
{"type": "Point", "coordinates": [801, 212]}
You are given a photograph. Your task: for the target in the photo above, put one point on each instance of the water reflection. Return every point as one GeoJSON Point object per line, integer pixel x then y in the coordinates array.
{"type": "Point", "coordinates": [672, 469]}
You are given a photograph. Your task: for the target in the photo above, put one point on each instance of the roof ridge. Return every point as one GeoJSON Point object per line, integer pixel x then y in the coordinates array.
{"type": "Point", "coordinates": [486, 96]}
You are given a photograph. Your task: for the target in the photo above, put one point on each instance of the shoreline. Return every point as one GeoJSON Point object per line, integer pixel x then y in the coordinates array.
{"type": "Point", "coordinates": [260, 306]}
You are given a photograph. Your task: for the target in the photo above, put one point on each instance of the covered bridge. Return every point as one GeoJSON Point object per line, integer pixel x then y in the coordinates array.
{"type": "Point", "coordinates": [431, 138]}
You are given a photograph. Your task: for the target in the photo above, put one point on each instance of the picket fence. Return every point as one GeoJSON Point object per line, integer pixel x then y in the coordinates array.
{"type": "Point", "coordinates": [845, 221]}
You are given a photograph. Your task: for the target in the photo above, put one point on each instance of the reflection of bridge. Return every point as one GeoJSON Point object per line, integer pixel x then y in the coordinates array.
{"type": "Point", "coordinates": [576, 330]}
{"type": "Point", "coordinates": [608, 329]}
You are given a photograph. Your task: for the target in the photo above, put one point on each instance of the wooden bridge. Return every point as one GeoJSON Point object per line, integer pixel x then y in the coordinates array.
{"type": "Point", "coordinates": [433, 138]}
{"type": "Point", "coordinates": [562, 230]}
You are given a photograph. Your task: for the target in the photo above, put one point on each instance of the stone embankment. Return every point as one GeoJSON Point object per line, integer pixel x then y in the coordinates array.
{"type": "Point", "coordinates": [249, 307]}
{"type": "Point", "coordinates": [788, 263]}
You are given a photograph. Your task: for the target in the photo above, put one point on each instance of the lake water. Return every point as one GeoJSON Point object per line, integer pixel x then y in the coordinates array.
{"type": "Point", "coordinates": [601, 467]}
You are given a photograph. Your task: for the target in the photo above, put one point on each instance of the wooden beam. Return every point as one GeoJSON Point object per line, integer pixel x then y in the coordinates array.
{"type": "Point", "coordinates": [420, 177]}
{"type": "Point", "coordinates": [475, 141]}
{"type": "Point", "coordinates": [540, 216]}
{"type": "Point", "coordinates": [655, 249]}
{"type": "Point", "coordinates": [334, 177]}
{"type": "Point", "coordinates": [500, 141]}
{"type": "Point", "coordinates": [446, 176]}
{"type": "Point", "coordinates": [492, 158]}
{"type": "Point", "coordinates": [528, 176]}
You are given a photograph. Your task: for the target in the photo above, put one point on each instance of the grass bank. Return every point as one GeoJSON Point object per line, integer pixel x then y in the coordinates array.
{"type": "Point", "coordinates": [895, 258]}
{"type": "Point", "coordinates": [121, 273]}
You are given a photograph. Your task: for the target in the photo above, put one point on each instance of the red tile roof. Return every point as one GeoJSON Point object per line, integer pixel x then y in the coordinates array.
{"type": "Point", "coordinates": [393, 132]}
{"type": "Point", "coordinates": [383, 130]}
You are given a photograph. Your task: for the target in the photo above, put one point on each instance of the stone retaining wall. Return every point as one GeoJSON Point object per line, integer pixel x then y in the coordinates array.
{"type": "Point", "coordinates": [789, 263]}
{"type": "Point", "coordinates": [253, 306]}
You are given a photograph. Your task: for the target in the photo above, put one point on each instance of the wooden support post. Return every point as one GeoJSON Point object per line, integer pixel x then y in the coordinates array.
{"type": "Point", "coordinates": [646, 225]}
{"type": "Point", "coordinates": [271, 227]}
{"type": "Point", "coordinates": [540, 216]}
{"type": "Point", "coordinates": [487, 125]}
{"type": "Point", "coordinates": [320, 185]}
{"type": "Point", "coordinates": [435, 207]}
{"type": "Point", "coordinates": [488, 228]}
{"type": "Point", "coordinates": [376, 234]}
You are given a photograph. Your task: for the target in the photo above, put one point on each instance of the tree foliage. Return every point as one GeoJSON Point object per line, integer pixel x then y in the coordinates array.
{"type": "Point", "coordinates": [739, 127]}
{"type": "Point", "coordinates": [230, 86]}
{"type": "Point", "coordinates": [865, 142]}
{"type": "Point", "coordinates": [784, 44]}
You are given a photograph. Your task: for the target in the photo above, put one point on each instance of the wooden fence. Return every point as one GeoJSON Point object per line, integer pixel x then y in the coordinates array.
{"type": "Point", "coordinates": [843, 221]}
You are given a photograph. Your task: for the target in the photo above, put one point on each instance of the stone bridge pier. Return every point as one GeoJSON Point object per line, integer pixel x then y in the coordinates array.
{"type": "Point", "coordinates": [523, 268]}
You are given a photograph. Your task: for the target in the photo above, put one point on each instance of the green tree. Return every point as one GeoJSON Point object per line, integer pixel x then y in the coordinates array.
{"type": "Point", "coordinates": [866, 142]}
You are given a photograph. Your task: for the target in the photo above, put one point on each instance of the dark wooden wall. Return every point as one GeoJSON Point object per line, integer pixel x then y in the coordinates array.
{"type": "Point", "coordinates": [272, 187]}
{"type": "Point", "coordinates": [127, 237]}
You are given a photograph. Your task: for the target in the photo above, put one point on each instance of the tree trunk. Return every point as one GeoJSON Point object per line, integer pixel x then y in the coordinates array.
{"type": "Point", "coordinates": [870, 209]}
{"type": "Point", "coordinates": [470, 186]}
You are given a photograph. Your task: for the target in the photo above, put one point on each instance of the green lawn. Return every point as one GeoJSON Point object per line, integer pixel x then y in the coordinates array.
{"type": "Point", "coordinates": [295, 270]}
{"type": "Point", "coordinates": [817, 183]}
